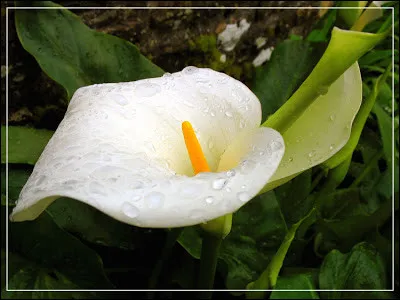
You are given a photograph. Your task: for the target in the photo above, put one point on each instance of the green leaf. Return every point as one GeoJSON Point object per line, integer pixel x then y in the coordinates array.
{"type": "Point", "coordinates": [74, 55]}
{"type": "Point", "coordinates": [47, 244]}
{"type": "Point", "coordinates": [350, 16]}
{"type": "Point", "coordinates": [270, 275]}
{"type": "Point", "coordinates": [25, 144]}
{"type": "Point", "coordinates": [349, 213]}
{"type": "Point", "coordinates": [257, 231]}
{"type": "Point", "coordinates": [92, 225]}
{"type": "Point", "coordinates": [27, 275]}
{"type": "Point", "coordinates": [295, 282]}
{"type": "Point", "coordinates": [323, 28]}
{"type": "Point", "coordinates": [293, 198]}
{"type": "Point", "coordinates": [17, 178]}
{"type": "Point", "coordinates": [290, 63]}
{"type": "Point", "coordinates": [385, 129]}
{"type": "Point", "coordinates": [362, 268]}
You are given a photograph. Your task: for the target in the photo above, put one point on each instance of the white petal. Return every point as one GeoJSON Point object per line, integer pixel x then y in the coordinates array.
{"type": "Point", "coordinates": [138, 192]}
{"type": "Point", "coordinates": [121, 150]}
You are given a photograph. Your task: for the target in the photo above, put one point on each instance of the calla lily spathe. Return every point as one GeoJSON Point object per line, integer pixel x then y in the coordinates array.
{"type": "Point", "coordinates": [120, 149]}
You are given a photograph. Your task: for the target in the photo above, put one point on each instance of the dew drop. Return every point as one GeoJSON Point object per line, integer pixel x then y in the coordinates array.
{"type": "Point", "coordinates": [242, 124]}
{"type": "Point", "coordinates": [276, 145]}
{"type": "Point", "coordinates": [130, 210]}
{"type": "Point", "coordinates": [228, 114]}
{"type": "Point", "coordinates": [136, 198]}
{"type": "Point", "coordinates": [155, 200]}
{"type": "Point", "coordinates": [187, 103]}
{"type": "Point", "coordinates": [247, 166]}
{"type": "Point", "coordinates": [332, 117]}
{"type": "Point", "coordinates": [261, 153]}
{"type": "Point", "coordinates": [121, 100]}
{"type": "Point", "coordinates": [40, 180]}
{"type": "Point", "coordinates": [210, 200]}
{"type": "Point", "coordinates": [210, 144]}
{"type": "Point", "coordinates": [147, 89]}
{"type": "Point", "coordinates": [189, 70]}
{"type": "Point", "coordinates": [331, 147]}
{"type": "Point", "coordinates": [290, 159]}
{"type": "Point", "coordinates": [196, 214]}
{"type": "Point", "coordinates": [219, 183]}
{"type": "Point", "coordinates": [230, 173]}
{"type": "Point", "coordinates": [212, 113]}
{"type": "Point", "coordinates": [97, 188]}
{"type": "Point", "coordinates": [312, 153]}
{"type": "Point", "coordinates": [244, 186]}
{"type": "Point", "coordinates": [243, 196]}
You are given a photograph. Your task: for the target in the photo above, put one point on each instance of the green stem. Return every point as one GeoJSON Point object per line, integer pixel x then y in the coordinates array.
{"type": "Point", "coordinates": [322, 173]}
{"type": "Point", "coordinates": [208, 263]}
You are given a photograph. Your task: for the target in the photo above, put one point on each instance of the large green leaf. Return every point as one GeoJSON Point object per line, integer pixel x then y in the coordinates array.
{"type": "Point", "coordinates": [43, 242]}
{"type": "Point", "coordinates": [362, 268]}
{"type": "Point", "coordinates": [92, 225]}
{"type": "Point", "coordinates": [27, 275]}
{"type": "Point", "coordinates": [74, 55]}
{"type": "Point", "coordinates": [295, 282]}
{"type": "Point", "coordinates": [342, 211]}
{"type": "Point", "coordinates": [290, 63]}
{"type": "Point", "coordinates": [257, 231]}
{"type": "Point", "coordinates": [293, 198]}
{"type": "Point", "coordinates": [17, 178]}
{"type": "Point", "coordinates": [269, 277]}
{"type": "Point", "coordinates": [25, 144]}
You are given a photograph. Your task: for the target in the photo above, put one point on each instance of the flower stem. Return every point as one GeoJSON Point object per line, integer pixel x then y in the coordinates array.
{"type": "Point", "coordinates": [208, 263]}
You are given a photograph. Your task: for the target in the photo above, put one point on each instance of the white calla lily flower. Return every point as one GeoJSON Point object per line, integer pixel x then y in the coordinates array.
{"type": "Point", "coordinates": [120, 148]}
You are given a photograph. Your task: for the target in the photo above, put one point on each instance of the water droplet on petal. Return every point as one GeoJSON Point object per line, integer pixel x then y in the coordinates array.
{"type": "Point", "coordinates": [243, 196]}
{"type": "Point", "coordinates": [210, 200]}
{"type": "Point", "coordinates": [97, 188]}
{"type": "Point", "coordinates": [332, 117]}
{"type": "Point", "coordinates": [219, 183]}
{"type": "Point", "coordinates": [212, 113]}
{"type": "Point", "coordinates": [228, 114]}
{"type": "Point", "coordinates": [40, 180]}
{"type": "Point", "coordinates": [147, 89]}
{"type": "Point", "coordinates": [155, 200]}
{"type": "Point", "coordinates": [276, 145]}
{"type": "Point", "coordinates": [230, 173]}
{"type": "Point", "coordinates": [247, 166]}
{"type": "Point", "coordinates": [121, 100]}
{"type": "Point", "coordinates": [244, 186]}
{"type": "Point", "coordinates": [130, 210]}
{"type": "Point", "coordinates": [210, 144]}
{"type": "Point", "coordinates": [189, 70]}
{"type": "Point", "coordinates": [242, 124]}
{"type": "Point", "coordinates": [331, 147]}
{"type": "Point", "coordinates": [312, 153]}
{"type": "Point", "coordinates": [290, 159]}
{"type": "Point", "coordinates": [136, 198]}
